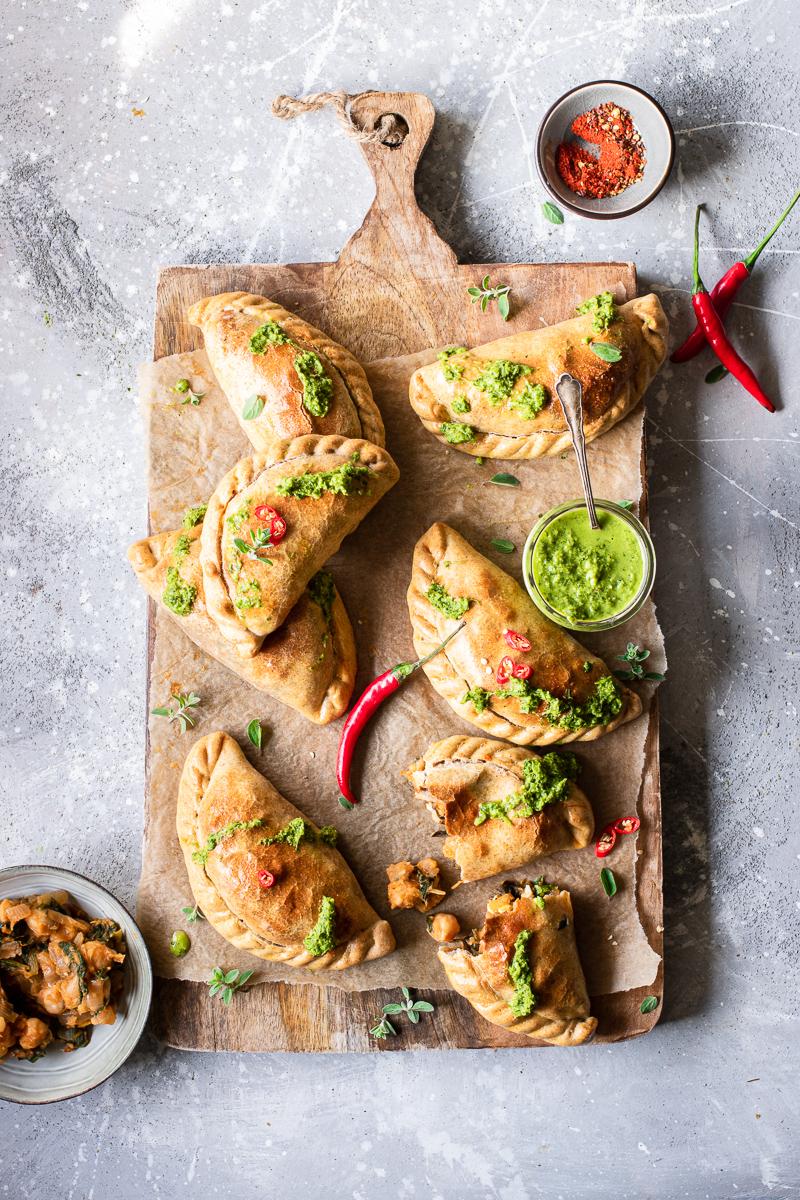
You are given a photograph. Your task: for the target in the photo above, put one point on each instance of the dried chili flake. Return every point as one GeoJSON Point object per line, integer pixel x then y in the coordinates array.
{"type": "Point", "coordinates": [619, 161]}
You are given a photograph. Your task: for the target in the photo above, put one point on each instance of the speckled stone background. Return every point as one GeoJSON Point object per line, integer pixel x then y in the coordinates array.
{"type": "Point", "coordinates": [137, 134]}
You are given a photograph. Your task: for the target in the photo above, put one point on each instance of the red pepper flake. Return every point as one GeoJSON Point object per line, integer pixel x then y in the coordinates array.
{"type": "Point", "coordinates": [266, 879]}
{"type": "Point", "coordinates": [627, 825]}
{"type": "Point", "coordinates": [517, 641]}
{"type": "Point", "coordinates": [505, 670]}
{"type": "Point", "coordinates": [606, 842]}
{"type": "Point", "coordinates": [619, 162]}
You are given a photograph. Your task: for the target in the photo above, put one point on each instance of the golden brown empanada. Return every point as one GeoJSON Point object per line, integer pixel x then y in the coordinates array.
{"type": "Point", "coordinates": [522, 969]}
{"type": "Point", "coordinates": [470, 785]}
{"type": "Point", "coordinates": [293, 900]}
{"type": "Point", "coordinates": [497, 410]}
{"type": "Point", "coordinates": [309, 663]}
{"type": "Point", "coordinates": [570, 694]}
{"type": "Point", "coordinates": [248, 595]}
{"type": "Point", "coordinates": [278, 373]}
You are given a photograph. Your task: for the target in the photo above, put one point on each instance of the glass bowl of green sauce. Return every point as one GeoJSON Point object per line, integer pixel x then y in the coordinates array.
{"type": "Point", "coordinates": [589, 579]}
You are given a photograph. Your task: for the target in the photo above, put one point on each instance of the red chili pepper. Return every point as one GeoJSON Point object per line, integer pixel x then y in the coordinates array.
{"type": "Point", "coordinates": [517, 641]}
{"type": "Point", "coordinates": [724, 292]}
{"type": "Point", "coordinates": [606, 842]}
{"type": "Point", "coordinates": [369, 700]}
{"type": "Point", "coordinates": [277, 525]}
{"type": "Point", "coordinates": [266, 879]}
{"type": "Point", "coordinates": [504, 670]}
{"type": "Point", "coordinates": [627, 825]}
{"type": "Point", "coordinates": [265, 512]}
{"type": "Point", "coordinates": [715, 333]}
{"type": "Point", "coordinates": [522, 671]}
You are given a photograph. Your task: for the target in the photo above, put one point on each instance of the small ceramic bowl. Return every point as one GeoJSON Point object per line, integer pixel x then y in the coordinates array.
{"type": "Point", "coordinates": [59, 1076]}
{"type": "Point", "coordinates": [652, 123]}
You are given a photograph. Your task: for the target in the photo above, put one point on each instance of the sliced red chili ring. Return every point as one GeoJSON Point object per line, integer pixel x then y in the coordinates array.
{"type": "Point", "coordinates": [277, 529]}
{"type": "Point", "coordinates": [266, 879]}
{"type": "Point", "coordinates": [521, 671]}
{"type": "Point", "coordinates": [505, 670]}
{"type": "Point", "coordinates": [606, 842]}
{"type": "Point", "coordinates": [265, 512]}
{"type": "Point", "coordinates": [627, 825]}
{"type": "Point", "coordinates": [517, 641]}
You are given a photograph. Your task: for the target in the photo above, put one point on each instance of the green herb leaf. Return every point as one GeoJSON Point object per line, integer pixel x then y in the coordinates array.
{"type": "Point", "coordinates": [253, 407]}
{"type": "Point", "coordinates": [192, 913]}
{"type": "Point", "coordinates": [226, 983]}
{"type": "Point", "coordinates": [504, 480]}
{"type": "Point", "coordinates": [608, 881]}
{"type": "Point", "coordinates": [552, 213]}
{"type": "Point", "coordinates": [184, 702]}
{"type": "Point", "coordinates": [606, 351]}
{"type": "Point", "coordinates": [383, 1029]}
{"type": "Point", "coordinates": [485, 294]}
{"type": "Point", "coordinates": [345, 803]}
{"type": "Point", "coordinates": [503, 545]}
{"type": "Point", "coordinates": [423, 1006]}
{"type": "Point", "coordinates": [255, 733]}
{"type": "Point", "coordinates": [648, 1004]}
{"type": "Point", "coordinates": [393, 1009]}
{"type": "Point", "coordinates": [717, 373]}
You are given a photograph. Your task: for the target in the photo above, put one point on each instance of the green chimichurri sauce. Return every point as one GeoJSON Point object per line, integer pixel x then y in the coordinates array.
{"type": "Point", "coordinates": [586, 574]}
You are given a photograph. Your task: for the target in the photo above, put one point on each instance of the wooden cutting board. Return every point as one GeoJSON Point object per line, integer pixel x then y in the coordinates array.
{"type": "Point", "coordinates": [395, 288]}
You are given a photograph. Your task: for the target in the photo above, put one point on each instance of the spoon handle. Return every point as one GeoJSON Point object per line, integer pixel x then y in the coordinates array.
{"type": "Point", "coordinates": [570, 393]}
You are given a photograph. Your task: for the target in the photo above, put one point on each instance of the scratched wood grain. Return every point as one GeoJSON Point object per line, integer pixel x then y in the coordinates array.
{"type": "Point", "coordinates": [395, 288]}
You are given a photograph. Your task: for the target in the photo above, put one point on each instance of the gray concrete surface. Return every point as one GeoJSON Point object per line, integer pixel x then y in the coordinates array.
{"type": "Point", "coordinates": [93, 198]}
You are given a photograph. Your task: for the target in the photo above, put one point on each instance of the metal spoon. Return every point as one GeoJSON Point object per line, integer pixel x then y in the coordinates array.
{"type": "Point", "coordinates": [570, 392]}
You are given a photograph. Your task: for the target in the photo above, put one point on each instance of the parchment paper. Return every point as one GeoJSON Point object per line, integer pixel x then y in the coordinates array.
{"type": "Point", "coordinates": [190, 448]}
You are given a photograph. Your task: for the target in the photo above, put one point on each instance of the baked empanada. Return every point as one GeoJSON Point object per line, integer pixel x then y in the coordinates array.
{"type": "Point", "coordinates": [268, 879]}
{"type": "Point", "coordinates": [522, 969]}
{"type": "Point", "coordinates": [499, 401]}
{"type": "Point", "coordinates": [309, 663]}
{"type": "Point", "coordinates": [568, 694]}
{"type": "Point", "coordinates": [501, 806]}
{"type": "Point", "coordinates": [291, 377]}
{"type": "Point", "coordinates": [322, 488]}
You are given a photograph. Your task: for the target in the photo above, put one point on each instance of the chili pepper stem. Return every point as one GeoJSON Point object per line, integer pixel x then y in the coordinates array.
{"type": "Point", "coordinates": [752, 259]}
{"type": "Point", "coordinates": [697, 283]}
{"type": "Point", "coordinates": [421, 661]}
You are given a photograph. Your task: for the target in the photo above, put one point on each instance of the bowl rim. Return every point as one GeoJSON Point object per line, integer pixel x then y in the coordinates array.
{"type": "Point", "coordinates": [575, 207]}
{"type": "Point", "coordinates": [6, 872]}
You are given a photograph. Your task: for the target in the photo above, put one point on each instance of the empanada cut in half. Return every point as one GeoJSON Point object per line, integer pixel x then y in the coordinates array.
{"type": "Point", "coordinates": [501, 806]}
{"type": "Point", "coordinates": [268, 879]}
{"type": "Point", "coordinates": [283, 377]}
{"type": "Point", "coordinates": [561, 693]}
{"type": "Point", "coordinates": [499, 401]}
{"type": "Point", "coordinates": [309, 663]}
{"type": "Point", "coordinates": [522, 970]}
{"type": "Point", "coordinates": [322, 488]}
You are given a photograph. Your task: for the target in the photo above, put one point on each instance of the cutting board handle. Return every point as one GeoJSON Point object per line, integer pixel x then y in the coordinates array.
{"type": "Point", "coordinates": [395, 230]}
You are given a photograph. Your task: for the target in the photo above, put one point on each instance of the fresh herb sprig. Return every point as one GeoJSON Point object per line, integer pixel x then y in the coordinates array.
{"type": "Point", "coordinates": [486, 294]}
{"type": "Point", "coordinates": [226, 982]}
{"type": "Point", "coordinates": [634, 656]}
{"type": "Point", "coordinates": [412, 1008]}
{"type": "Point", "coordinates": [183, 388]}
{"type": "Point", "coordinates": [192, 913]}
{"type": "Point", "coordinates": [184, 702]}
{"type": "Point", "coordinates": [260, 539]}
{"type": "Point", "coordinates": [383, 1029]}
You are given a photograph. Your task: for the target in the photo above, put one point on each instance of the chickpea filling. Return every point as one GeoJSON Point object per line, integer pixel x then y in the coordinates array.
{"type": "Point", "coordinates": [60, 974]}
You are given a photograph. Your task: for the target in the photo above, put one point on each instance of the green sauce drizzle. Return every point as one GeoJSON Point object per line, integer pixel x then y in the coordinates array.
{"type": "Point", "coordinates": [322, 937]}
{"type": "Point", "coordinates": [603, 705]}
{"type": "Point", "coordinates": [317, 385]}
{"type": "Point", "coordinates": [193, 516]}
{"type": "Point", "coordinates": [455, 432]}
{"type": "Point", "coordinates": [498, 377]}
{"type": "Point", "coordinates": [451, 369]}
{"type": "Point", "coordinates": [178, 595]}
{"type": "Point", "coordinates": [322, 592]}
{"type": "Point", "coordinates": [219, 835]}
{"type": "Point", "coordinates": [520, 973]}
{"type": "Point", "coordinates": [345, 480]}
{"type": "Point", "coordinates": [545, 781]}
{"type": "Point", "coordinates": [270, 334]}
{"type": "Point", "coordinates": [248, 594]}
{"type": "Point", "coordinates": [182, 548]}
{"type": "Point", "coordinates": [460, 404]}
{"type": "Point", "coordinates": [530, 401]}
{"type": "Point", "coordinates": [478, 697]}
{"type": "Point", "coordinates": [450, 606]}
{"type": "Point", "coordinates": [603, 311]}
{"type": "Point", "coordinates": [298, 829]}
